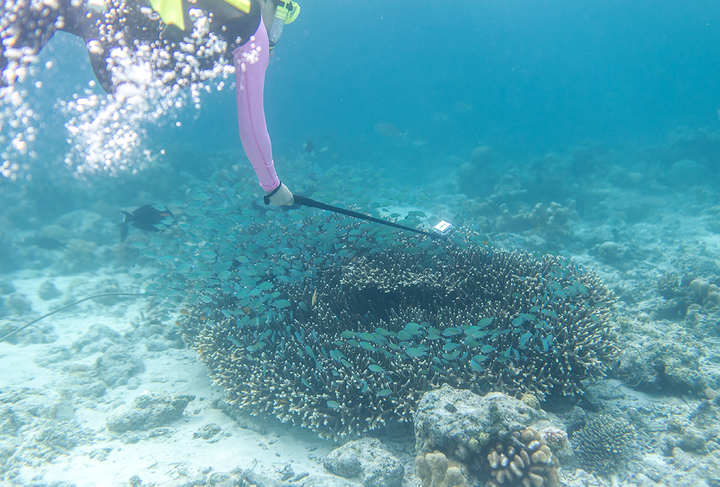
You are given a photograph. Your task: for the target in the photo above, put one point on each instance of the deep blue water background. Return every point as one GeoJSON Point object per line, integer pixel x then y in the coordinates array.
{"type": "Point", "coordinates": [525, 77]}
{"type": "Point", "coordinates": [538, 75]}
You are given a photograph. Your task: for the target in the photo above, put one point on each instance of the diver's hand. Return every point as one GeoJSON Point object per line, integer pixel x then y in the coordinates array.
{"type": "Point", "coordinates": [282, 197]}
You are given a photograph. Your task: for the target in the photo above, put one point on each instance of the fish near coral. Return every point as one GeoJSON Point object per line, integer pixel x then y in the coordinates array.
{"type": "Point", "coordinates": [387, 325]}
{"type": "Point", "coordinates": [145, 218]}
{"type": "Point", "coordinates": [309, 146]}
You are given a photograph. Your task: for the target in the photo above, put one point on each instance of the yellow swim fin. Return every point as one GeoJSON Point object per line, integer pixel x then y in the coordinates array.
{"type": "Point", "coordinates": [170, 11]}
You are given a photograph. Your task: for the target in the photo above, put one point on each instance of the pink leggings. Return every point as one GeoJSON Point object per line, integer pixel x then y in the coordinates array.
{"type": "Point", "coordinates": [251, 61]}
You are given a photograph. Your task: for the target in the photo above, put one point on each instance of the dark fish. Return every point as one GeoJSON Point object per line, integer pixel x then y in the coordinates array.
{"type": "Point", "coordinates": [46, 243]}
{"type": "Point", "coordinates": [309, 191]}
{"type": "Point", "coordinates": [144, 218]}
{"type": "Point", "coordinates": [259, 208]}
{"type": "Point", "coordinates": [309, 146]}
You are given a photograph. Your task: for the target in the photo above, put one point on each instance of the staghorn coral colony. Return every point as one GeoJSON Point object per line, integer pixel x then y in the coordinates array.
{"type": "Point", "coordinates": [344, 333]}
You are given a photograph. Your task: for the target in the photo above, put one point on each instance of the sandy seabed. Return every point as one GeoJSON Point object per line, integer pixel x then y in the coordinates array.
{"type": "Point", "coordinates": [43, 379]}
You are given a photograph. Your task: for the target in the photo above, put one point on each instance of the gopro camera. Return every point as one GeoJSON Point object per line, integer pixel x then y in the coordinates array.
{"type": "Point", "coordinates": [443, 228]}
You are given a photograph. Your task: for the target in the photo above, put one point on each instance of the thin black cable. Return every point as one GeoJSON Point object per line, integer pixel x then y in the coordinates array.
{"type": "Point", "coordinates": [68, 306]}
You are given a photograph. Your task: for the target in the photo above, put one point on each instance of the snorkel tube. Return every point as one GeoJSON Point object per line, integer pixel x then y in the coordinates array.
{"type": "Point", "coordinates": [285, 13]}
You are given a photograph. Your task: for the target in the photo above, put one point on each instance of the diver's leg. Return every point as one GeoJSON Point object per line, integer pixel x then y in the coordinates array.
{"type": "Point", "coordinates": [123, 24]}
{"type": "Point", "coordinates": [85, 23]}
{"type": "Point", "coordinates": [251, 61]}
{"type": "Point", "coordinates": [26, 26]}
{"type": "Point", "coordinates": [98, 61]}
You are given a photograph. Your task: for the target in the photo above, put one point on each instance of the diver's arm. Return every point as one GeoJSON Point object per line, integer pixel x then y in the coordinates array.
{"type": "Point", "coordinates": [83, 21]}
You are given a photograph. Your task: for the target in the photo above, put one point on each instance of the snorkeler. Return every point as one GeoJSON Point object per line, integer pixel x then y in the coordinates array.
{"type": "Point", "coordinates": [174, 37]}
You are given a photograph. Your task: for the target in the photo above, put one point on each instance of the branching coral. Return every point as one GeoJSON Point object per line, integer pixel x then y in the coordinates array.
{"type": "Point", "coordinates": [358, 343]}
{"type": "Point", "coordinates": [341, 328]}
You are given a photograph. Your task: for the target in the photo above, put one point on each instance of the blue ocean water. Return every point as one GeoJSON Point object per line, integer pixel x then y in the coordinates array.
{"type": "Point", "coordinates": [519, 75]}
{"type": "Point", "coordinates": [525, 77]}
{"type": "Point", "coordinates": [587, 129]}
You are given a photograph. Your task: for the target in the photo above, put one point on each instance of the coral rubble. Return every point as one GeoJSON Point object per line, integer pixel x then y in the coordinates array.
{"type": "Point", "coordinates": [367, 460]}
{"type": "Point", "coordinates": [148, 411]}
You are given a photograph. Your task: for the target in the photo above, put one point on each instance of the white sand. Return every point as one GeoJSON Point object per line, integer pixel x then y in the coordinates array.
{"type": "Point", "coordinates": [105, 459]}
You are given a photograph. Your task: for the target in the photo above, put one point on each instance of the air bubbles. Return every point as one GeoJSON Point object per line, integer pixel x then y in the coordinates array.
{"type": "Point", "coordinates": [19, 144]}
{"type": "Point", "coordinates": [94, 47]}
{"type": "Point", "coordinates": [107, 133]}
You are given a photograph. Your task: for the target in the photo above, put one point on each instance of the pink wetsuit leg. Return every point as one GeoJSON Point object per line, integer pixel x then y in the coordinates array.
{"type": "Point", "coordinates": [251, 61]}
